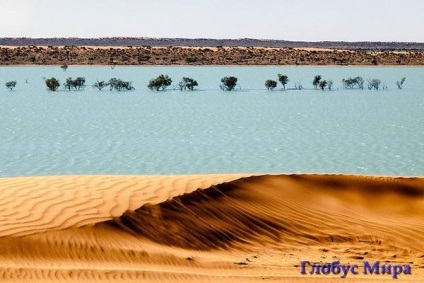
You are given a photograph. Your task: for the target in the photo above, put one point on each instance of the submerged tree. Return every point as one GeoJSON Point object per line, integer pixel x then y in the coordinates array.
{"type": "Point", "coordinates": [68, 84]}
{"type": "Point", "coordinates": [11, 85]}
{"type": "Point", "coordinates": [228, 83]}
{"type": "Point", "coordinates": [298, 86]}
{"type": "Point", "coordinates": [360, 82]}
{"type": "Point", "coordinates": [270, 84]}
{"type": "Point", "coordinates": [160, 83]}
{"type": "Point", "coordinates": [76, 84]}
{"type": "Point", "coordinates": [114, 83]}
{"type": "Point", "coordinates": [119, 85]}
{"type": "Point", "coordinates": [353, 82]}
{"type": "Point", "coordinates": [374, 84]}
{"type": "Point", "coordinates": [79, 83]}
{"type": "Point", "coordinates": [316, 81]}
{"type": "Point", "coordinates": [187, 84]}
{"type": "Point", "coordinates": [330, 84]}
{"type": "Point", "coordinates": [52, 84]}
{"type": "Point", "coordinates": [400, 83]}
{"type": "Point", "coordinates": [283, 79]}
{"type": "Point", "coordinates": [322, 84]}
{"type": "Point", "coordinates": [100, 84]}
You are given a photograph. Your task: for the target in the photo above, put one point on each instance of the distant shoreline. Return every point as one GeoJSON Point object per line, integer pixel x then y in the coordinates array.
{"type": "Point", "coordinates": [209, 42]}
{"type": "Point", "coordinates": [204, 56]}
{"type": "Point", "coordinates": [217, 66]}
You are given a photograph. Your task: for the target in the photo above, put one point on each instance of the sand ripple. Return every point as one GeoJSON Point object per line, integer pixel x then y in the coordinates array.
{"type": "Point", "coordinates": [205, 228]}
{"type": "Point", "coordinates": [35, 204]}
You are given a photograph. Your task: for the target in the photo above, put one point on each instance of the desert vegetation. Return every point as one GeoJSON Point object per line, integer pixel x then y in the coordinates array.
{"type": "Point", "coordinates": [11, 85]}
{"type": "Point", "coordinates": [330, 84]}
{"type": "Point", "coordinates": [52, 84]}
{"type": "Point", "coordinates": [283, 79]}
{"type": "Point", "coordinates": [319, 82]}
{"type": "Point", "coordinates": [187, 84]}
{"type": "Point", "coordinates": [119, 85]}
{"type": "Point", "coordinates": [113, 84]}
{"type": "Point", "coordinates": [316, 81]}
{"type": "Point", "coordinates": [400, 83]}
{"type": "Point", "coordinates": [228, 83]}
{"type": "Point", "coordinates": [356, 82]}
{"type": "Point", "coordinates": [160, 83]}
{"type": "Point", "coordinates": [322, 84]}
{"type": "Point", "coordinates": [374, 84]}
{"type": "Point", "coordinates": [100, 85]}
{"type": "Point", "coordinates": [270, 84]}
{"type": "Point", "coordinates": [76, 84]}
{"type": "Point", "coordinates": [173, 55]}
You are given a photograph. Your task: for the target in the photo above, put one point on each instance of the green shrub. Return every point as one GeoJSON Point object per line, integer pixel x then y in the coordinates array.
{"type": "Point", "coordinates": [119, 85]}
{"type": "Point", "coordinates": [283, 79]}
{"type": "Point", "coordinates": [160, 83]}
{"type": "Point", "coordinates": [187, 83]}
{"type": "Point", "coordinates": [10, 85]}
{"type": "Point", "coordinates": [270, 84]}
{"type": "Point", "coordinates": [52, 84]}
{"type": "Point", "coordinates": [228, 83]}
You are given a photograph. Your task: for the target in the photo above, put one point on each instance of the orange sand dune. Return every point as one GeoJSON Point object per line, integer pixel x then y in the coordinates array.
{"type": "Point", "coordinates": [35, 204]}
{"type": "Point", "coordinates": [207, 228]}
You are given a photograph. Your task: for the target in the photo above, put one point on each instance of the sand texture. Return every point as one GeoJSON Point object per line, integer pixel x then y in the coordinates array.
{"type": "Point", "coordinates": [207, 228]}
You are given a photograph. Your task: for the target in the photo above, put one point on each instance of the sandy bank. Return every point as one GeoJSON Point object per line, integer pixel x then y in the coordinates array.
{"type": "Point", "coordinates": [176, 55]}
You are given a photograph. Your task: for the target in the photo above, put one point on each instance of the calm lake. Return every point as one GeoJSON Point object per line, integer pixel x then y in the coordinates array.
{"type": "Point", "coordinates": [209, 130]}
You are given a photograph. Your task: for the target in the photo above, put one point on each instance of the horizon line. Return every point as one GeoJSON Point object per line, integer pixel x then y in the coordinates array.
{"type": "Point", "coordinates": [212, 39]}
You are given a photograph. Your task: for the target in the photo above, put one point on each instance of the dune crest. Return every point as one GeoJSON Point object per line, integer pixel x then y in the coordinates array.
{"type": "Point", "coordinates": [36, 204]}
{"type": "Point", "coordinates": [276, 210]}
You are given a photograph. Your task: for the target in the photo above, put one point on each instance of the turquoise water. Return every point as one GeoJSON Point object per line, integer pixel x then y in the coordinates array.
{"type": "Point", "coordinates": [211, 131]}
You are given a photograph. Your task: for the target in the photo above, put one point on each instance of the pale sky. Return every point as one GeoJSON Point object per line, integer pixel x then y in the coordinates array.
{"type": "Point", "coordinates": [309, 20]}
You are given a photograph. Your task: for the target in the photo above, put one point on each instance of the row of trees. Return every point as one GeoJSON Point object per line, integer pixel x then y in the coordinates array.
{"type": "Point", "coordinates": [271, 84]}
{"type": "Point", "coordinates": [358, 82]}
{"type": "Point", "coordinates": [161, 82]}
{"type": "Point", "coordinates": [158, 84]}
{"type": "Point", "coordinates": [76, 84]}
{"type": "Point", "coordinates": [79, 83]}
{"type": "Point", "coordinates": [319, 82]}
